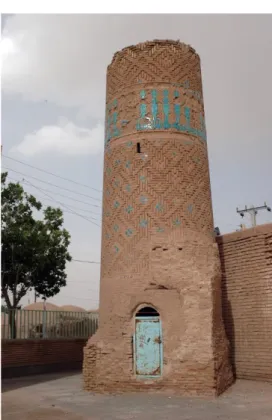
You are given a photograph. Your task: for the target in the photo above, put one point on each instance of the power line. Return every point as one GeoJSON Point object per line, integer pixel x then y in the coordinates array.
{"type": "Point", "coordinates": [73, 297]}
{"type": "Point", "coordinates": [75, 282]}
{"type": "Point", "coordinates": [78, 214]}
{"type": "Point", "coordinates": [59, 202]}
{"type": "Point", "coordinates": [61, 195]}
{"type": "Point", "coordinates": [51, 173]}
{"type": "Point", "coordinates": [72, 211]}
{"type": "Point", "coordinates": [86, 261]}
{"type": "Point", "coordinates": [63, 204]}
{"type": "Point", "coordinates": [50, 183]}
{"type": "Point", "coordinates": [73, 207]}
{"type": "Point", "coordinates": [253, 211]}
{"type": "Point", "coordinates": [81, 281]}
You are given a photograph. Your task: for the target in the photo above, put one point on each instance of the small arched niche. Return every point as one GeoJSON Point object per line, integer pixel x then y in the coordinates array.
{"type": "Point", "coordinates": [147, 311]}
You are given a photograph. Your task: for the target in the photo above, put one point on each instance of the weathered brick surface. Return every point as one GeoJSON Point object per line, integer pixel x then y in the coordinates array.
{"type": "Point", "coordinates": [18, 353]}
{"type": "Point", "coordinates": [158, 246]}
{"type": "Point", "coordinates": [246, 259]}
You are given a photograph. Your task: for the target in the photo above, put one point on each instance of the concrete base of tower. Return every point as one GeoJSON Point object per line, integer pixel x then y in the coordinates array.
{"type": "Point", "coordinates": [181, 284]}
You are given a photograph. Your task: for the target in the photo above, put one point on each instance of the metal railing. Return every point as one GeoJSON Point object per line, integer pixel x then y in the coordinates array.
{"type": "Point", "coordinates": [42, 324]}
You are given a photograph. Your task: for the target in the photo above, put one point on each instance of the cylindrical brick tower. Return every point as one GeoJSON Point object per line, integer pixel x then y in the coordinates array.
{"type": "Point", "coordinates": [160, 321]}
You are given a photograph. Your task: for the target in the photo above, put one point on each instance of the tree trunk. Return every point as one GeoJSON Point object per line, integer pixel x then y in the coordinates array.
{"type": "Point", "coordinates": [12, 323]}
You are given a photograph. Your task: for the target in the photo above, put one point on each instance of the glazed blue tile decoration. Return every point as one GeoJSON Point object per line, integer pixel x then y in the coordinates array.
{"type": "Point", "coordinates": [143, 223]}
{"type": "Point", "coordinates": [148, 118]}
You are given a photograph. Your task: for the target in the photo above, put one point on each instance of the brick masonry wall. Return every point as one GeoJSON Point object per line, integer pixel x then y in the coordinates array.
{"type": "Point", "coordinates": [158, 246]}
{"type": "Point", "coordinates": [39, 356]}
{"type": "Point", "coordinates": [246, 259]}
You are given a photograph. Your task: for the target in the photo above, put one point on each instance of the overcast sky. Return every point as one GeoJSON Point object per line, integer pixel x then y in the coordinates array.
{"type": "Point", "coordinates": [53, 94]}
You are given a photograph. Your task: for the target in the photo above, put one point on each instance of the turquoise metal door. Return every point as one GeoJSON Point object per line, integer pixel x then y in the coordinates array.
{"type": "Point", "coordinates": [148, 347]}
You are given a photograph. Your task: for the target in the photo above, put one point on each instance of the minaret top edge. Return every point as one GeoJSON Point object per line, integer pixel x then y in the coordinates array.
{"type": "Point", "coordinates": [151, 44]}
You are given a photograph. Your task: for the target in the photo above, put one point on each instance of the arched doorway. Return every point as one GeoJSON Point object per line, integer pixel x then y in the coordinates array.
{"type": "Point", "coordinates": [148, 343]}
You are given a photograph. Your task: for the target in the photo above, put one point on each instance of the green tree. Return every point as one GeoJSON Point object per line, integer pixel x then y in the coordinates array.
{"type": "Point", "coordinates": [34, 252]}
{"type": "Point", "coordinates": [4, 309]}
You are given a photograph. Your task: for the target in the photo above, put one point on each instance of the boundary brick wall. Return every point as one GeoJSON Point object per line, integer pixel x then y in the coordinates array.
{"type": "Point", "coordinates": [29, 357]}
{"type": "Point", "coordinates": [246, 258]}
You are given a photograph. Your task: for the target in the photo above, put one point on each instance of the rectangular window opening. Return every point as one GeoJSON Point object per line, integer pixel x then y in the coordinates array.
{"type": "Point", "coordinates": [138, 148]}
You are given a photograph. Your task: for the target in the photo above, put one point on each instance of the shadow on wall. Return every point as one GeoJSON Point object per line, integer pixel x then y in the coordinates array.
{"type": "Point", "coordinates": [228, 317]}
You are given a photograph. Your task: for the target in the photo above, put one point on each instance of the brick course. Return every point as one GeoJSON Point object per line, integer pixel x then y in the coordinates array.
{"type": "Point", "coordinates": [246, 260]}
{"type": "Point", "coordinates": [37, 356]}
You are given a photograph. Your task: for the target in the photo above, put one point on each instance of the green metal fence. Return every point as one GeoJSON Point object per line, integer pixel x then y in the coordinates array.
{"type": "Point", "coordinates": [43, 324]}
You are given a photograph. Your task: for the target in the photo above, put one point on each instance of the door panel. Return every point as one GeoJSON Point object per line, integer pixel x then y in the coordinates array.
{"type": "Point", "coordinates": [148, 347]}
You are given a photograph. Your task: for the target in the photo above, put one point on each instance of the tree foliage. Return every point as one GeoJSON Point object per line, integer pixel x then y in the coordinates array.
{"type": "Point", "coordinates": [4, 309]}
{"type": "Point", "coordinates": [34, 248]}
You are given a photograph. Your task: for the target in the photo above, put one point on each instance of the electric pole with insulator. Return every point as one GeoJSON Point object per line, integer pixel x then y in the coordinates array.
{"type": "Point", "coordinates": [253, 211]}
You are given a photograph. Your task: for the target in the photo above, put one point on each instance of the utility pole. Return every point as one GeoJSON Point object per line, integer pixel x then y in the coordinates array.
{"type": "Point", "coordinates": [253, 211]}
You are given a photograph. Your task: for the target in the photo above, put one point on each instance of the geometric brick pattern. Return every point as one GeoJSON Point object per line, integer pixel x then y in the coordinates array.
{"type": "Point", "coordinates": [156, 196]}
{"type": "Point", "coordinates": [167, 185]}
{"type": "Point", "coordinates": [164, 187]}
{"type": "Point", "coordinates": [153, 62]}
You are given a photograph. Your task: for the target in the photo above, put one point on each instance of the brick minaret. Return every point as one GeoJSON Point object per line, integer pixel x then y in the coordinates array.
{"type": "Point", "coordinates": [160, 321]}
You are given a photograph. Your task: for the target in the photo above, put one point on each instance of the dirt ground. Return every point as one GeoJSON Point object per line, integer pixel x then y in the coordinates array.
{"type": "Point", "coordinates": [60, 397]}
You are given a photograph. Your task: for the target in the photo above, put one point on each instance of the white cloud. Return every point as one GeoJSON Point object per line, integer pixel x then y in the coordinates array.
{"type": "Point", "coordinates": [65, 139]}
{"type": "Point", "coordinates": [59, 58]}
{"type": "Point", "coordinates": [63, 58]}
